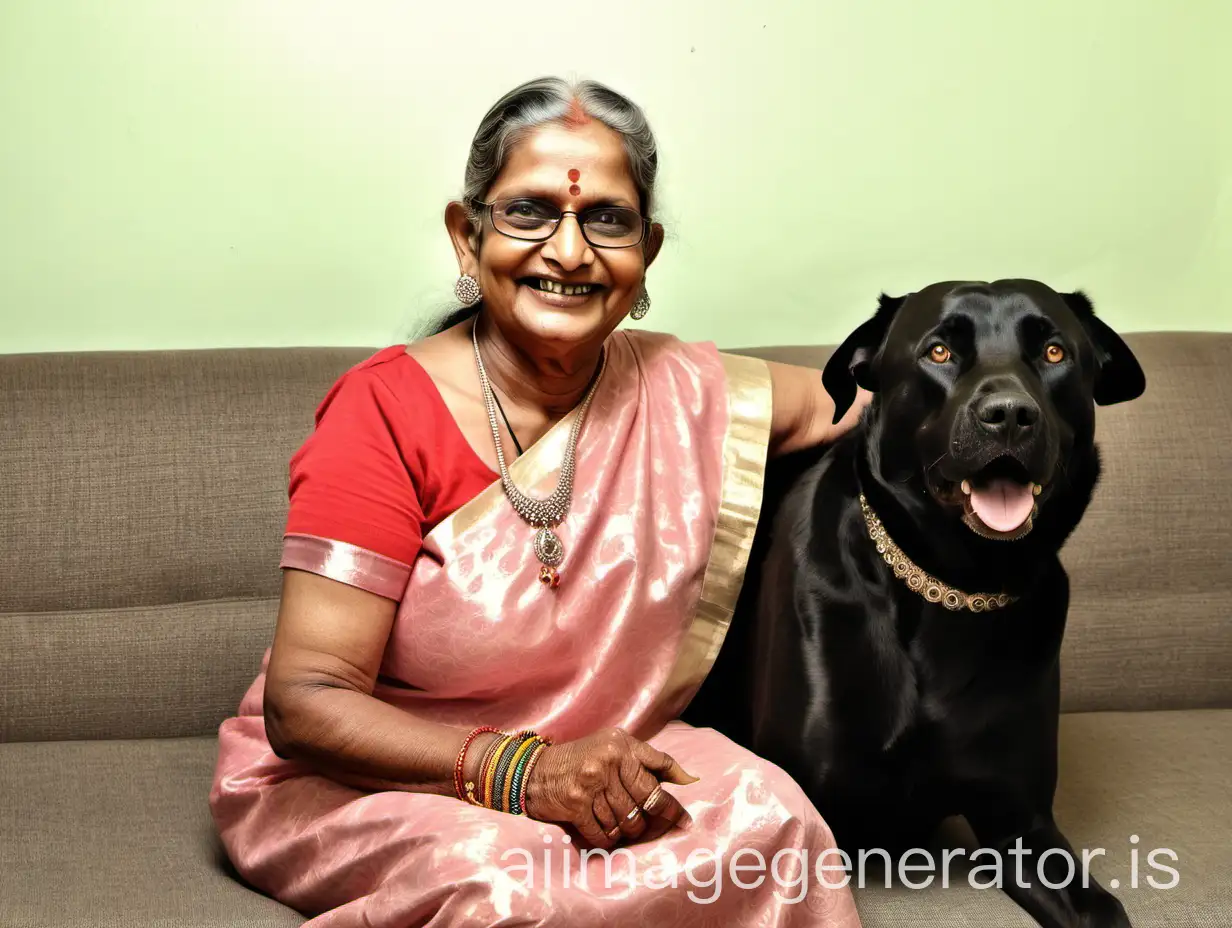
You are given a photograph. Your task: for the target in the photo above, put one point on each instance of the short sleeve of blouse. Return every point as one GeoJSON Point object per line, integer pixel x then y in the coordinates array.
{"type": "Point", "coordinates": [354, 509]}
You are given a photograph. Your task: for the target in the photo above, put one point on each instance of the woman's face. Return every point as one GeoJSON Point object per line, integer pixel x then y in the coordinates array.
{"type": "Point", "coordinates": [573, 168]}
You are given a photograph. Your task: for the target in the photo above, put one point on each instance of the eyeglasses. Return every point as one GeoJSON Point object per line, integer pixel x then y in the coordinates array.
{"type": "Point", "coordinates": [533, 220]}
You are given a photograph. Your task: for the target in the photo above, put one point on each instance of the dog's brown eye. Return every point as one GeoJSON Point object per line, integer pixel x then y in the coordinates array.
{"type": "Point", "coordinates": [939, 353]}
{"type": "Point", "coordinates": [1055, 354]}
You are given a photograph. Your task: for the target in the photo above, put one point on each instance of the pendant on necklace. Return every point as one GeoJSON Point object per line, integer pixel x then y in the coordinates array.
{"type": "Point", "coordinates": [551, 552]}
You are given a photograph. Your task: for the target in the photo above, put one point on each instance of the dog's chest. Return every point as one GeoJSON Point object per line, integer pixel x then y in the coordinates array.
{"type": "Point", "coordinates": [957, 689]}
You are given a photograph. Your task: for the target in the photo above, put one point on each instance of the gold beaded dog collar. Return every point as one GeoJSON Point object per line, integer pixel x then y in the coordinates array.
{"type": "Point", "coordinates": [924, 583]}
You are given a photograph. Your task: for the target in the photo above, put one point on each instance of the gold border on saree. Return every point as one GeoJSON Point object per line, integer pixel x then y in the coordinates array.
{"type": "Point", "coordinates": [745, 448]}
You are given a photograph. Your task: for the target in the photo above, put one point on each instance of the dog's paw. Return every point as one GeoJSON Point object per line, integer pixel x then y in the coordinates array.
{"type": "Point", "coordinates": [1104, 910]}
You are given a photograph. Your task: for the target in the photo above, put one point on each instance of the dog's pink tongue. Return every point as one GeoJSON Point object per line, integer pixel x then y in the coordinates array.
{"type": "Point", "coordinates": [1002, 505]}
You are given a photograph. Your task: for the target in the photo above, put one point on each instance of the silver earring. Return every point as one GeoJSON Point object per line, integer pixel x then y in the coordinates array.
{"type": "Point", "coordinates": [641, 306]}
{"type": "Point", "coordinates": [467, 290]}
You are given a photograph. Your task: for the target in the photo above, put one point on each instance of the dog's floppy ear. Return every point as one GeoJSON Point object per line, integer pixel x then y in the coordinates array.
{"type": "Point", "coordinates": [1118, 376]}
{"type": "Point", "coordinates": [851, 365]}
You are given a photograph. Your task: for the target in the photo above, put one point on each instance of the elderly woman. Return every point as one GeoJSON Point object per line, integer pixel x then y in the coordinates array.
{"type": "Point", "coordinates": [512, 552]}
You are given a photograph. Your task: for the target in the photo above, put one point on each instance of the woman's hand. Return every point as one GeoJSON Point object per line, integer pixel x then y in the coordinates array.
{"type": "Point", "coordinates": [607, 787]}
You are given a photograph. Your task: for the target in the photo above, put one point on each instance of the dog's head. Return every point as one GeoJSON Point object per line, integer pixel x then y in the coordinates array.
{"type": "Point", "coordinates": [984, 393]}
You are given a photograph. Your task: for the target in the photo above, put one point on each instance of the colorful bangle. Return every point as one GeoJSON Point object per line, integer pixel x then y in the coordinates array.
{"type": "Point", "coordinates": [474, 788]}
{"type": "Point", "coordinates": [502, 769]}
{"type": "Point", "coordinates": [481, 798]}
{"type": "Point", "coordinates": [490, 773]}
{"type": "Point", "coordinates": [460, 764]}
{"type": "Point", "coordinates": [521, 775]}
{"type": "Point", "coordinates": [515, 768]}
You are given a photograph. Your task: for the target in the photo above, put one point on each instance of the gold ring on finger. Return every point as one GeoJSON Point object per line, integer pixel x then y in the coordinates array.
{"type": "Point", "coordinates": [633, 813]}
{"type": "Point", "coordinates": [653, 801]}
{"type": "Point", "coordinates": [613, 833]}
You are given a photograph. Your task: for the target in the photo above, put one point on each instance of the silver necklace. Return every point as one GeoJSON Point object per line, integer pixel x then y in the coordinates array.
{"type": "Point", "coordinates": [543, 514]}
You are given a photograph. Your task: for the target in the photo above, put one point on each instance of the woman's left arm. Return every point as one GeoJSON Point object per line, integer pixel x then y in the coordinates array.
{"type": "Point", "coordinates": [803, 412]}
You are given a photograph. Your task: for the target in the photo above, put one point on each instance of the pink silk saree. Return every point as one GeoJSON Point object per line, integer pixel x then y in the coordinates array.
{"type": "Point", "coordinates": [666, 498]}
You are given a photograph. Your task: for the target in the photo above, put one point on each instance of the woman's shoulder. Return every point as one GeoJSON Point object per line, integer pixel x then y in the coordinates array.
{"type": "Point", "coordinates": [388, 379]}
{"type": "Point", "coordinates": [666, 349]}
{"type": "Point", "coordinates": [394, 365]}
{"type": "Point", "coordinates": [665, 353]}
{"type": "Point", "coordinates": [389, 397]}
{"type": "Point", "coordinates": [386, 413]}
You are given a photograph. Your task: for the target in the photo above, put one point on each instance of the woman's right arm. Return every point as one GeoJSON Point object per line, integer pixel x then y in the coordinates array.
{"type": "Point", "coordinates": [319, 705]}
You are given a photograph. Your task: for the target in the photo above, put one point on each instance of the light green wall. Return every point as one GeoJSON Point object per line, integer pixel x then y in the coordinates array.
{"type": "Point", "coordinates": [273, 172]}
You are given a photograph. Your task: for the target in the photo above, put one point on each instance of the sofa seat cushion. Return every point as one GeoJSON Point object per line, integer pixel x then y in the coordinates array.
{"type": "Point", "coordinates": [1159, 775]}
{"type": "Point", "coordinates": [95, 834]}
{"type": "Point", "coordinates": [109, 833]}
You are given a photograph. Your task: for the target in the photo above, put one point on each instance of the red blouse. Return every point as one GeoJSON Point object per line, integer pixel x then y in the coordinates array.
{"type": "Point", "coordinates": [385, 463]}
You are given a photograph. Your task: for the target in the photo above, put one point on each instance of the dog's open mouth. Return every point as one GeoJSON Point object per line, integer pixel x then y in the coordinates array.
{"type": "Point", "coordinates": [999, 500]}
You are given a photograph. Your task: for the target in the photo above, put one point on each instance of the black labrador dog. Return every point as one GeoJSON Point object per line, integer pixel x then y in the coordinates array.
{"type": "Point", "coordinates": [896, 644]}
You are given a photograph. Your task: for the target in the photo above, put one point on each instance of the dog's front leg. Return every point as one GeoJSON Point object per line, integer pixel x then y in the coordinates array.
{"type": "Point", "coordinates": [1043, 875]}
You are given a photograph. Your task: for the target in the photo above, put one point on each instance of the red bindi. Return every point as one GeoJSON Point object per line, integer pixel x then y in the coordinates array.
{"type": "Point", "coordinates": [575, 175]}
{"type": "Point", "coordinates": [574, 190]}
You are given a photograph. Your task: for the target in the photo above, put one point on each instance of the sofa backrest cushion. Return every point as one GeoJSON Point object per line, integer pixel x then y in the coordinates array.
{"type": "Point", "coordinates": [143, 498]}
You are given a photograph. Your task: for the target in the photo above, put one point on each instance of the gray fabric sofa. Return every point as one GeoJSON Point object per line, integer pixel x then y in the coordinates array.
{"type": "Point", "coordinates": [143, 496]}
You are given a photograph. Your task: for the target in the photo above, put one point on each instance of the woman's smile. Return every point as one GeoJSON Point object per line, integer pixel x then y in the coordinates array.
{"type": "Point", "coordinates": [557, 294]}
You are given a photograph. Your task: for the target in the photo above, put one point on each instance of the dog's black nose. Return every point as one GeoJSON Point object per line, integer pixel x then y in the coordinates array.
{"type": "Point", "coordinates": [1007, 415]}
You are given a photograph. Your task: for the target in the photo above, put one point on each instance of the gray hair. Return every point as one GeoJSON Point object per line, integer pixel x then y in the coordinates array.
{"type": "Point", "coordinates": [552, 99]}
